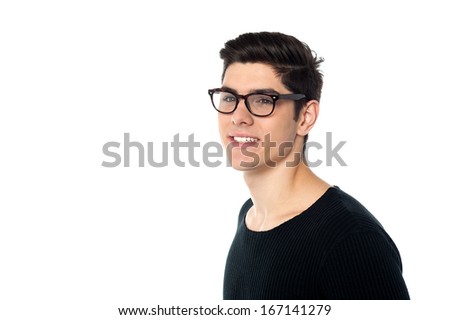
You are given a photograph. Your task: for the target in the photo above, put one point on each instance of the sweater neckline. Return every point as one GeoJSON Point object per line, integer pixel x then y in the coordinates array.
{"type": "Point", "coordinates": [300, 215]}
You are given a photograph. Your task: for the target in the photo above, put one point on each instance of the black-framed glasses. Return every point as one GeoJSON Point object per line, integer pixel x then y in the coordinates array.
{"type": "Point", "coordinates": [258, 104]}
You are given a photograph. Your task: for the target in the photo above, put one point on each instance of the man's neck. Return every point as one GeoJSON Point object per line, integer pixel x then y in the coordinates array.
{"type": "Point", "coordinates": [279, 193]}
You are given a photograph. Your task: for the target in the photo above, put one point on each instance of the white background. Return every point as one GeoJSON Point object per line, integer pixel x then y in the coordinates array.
{"type": "Point", "coordinates": [78, 240]}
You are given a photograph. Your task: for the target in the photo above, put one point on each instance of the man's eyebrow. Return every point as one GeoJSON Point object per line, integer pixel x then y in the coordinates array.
{"type": "Point", "coordinates": [225, 88]}
{"type": "Point", "coordinates": [263, 91]}
{"type": "Point", "coordinates": [266, 91]}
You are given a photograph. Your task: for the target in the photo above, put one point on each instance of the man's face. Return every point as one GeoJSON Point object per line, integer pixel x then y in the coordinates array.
{"type": "Point", "coordinates": [276, 135]}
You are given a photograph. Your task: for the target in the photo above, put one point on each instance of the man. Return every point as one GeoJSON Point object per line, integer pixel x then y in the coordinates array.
{"type": "Point", "coordinates": [298, 237]}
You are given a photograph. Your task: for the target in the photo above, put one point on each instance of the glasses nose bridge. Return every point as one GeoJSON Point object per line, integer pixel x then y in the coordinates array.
{"type": "Point", "coordinates": [242, 97]}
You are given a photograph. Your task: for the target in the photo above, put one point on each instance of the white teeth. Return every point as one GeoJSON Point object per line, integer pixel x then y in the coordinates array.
{"type": "Point", "coordinates": [244, 139]}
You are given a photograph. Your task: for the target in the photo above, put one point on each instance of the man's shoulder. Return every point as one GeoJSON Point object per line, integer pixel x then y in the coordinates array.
{"type": "Point", "coordinates": [341, 212]}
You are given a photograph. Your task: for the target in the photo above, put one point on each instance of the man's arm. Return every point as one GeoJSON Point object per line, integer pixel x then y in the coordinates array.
{"type": "Point", "coordinates": [364, 265]}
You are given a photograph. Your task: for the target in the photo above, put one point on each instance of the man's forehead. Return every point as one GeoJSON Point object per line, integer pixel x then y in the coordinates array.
{"type": "Point", "coordinates": [251, 76]}
{"type": "Point", "coordinates": [251, 67]}
{"type": "Point", "coordinates": [254, 90]}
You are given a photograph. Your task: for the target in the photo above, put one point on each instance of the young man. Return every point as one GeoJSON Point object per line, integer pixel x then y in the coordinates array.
{"type": "Point", "coordinates": [298, 237]}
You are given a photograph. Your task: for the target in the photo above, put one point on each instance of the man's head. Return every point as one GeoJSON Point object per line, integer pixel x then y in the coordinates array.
{"type": "Point", "coordinates": [291, 59]}
{"type": "Point", "coordinates": [281, 66]}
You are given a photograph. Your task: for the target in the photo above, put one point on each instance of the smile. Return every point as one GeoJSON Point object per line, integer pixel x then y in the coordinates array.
{"type": "Point", "coordinates": [244, 139]}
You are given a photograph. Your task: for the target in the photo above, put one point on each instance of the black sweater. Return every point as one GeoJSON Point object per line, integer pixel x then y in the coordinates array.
{"type": "Point", "coordinates": [334, 250]}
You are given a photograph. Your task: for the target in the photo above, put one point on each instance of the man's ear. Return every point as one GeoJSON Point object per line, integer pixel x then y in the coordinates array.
{"type": "Point", "coordinates": [308, 117]}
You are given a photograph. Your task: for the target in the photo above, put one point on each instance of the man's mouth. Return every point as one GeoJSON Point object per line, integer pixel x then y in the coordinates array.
{"type": "Point", "coordinates": [244, 139]}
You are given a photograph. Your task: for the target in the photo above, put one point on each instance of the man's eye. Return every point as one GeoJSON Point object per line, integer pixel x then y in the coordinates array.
{"type": "Point", "coordinates": [263, 101]}
{"type": "Point", "coordinates": [229, 98]}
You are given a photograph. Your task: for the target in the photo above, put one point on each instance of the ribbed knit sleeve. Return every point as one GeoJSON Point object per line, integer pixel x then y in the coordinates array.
{"type": "Point", "coordinates": [364, 265]}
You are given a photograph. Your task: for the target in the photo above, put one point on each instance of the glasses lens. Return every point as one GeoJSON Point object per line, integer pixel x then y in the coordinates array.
{"type": "Point", "coordinates": [224, 101]}
{"type": "Point", "coordinates": [260, 104]}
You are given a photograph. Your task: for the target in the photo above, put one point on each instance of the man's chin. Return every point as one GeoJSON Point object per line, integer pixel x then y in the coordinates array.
{"type": "Point", "coordinates": [252, 165]}
{"type": "Point", "coordinates": [243, 168]}
{"type": "Point", "coordinates": [242, 165]}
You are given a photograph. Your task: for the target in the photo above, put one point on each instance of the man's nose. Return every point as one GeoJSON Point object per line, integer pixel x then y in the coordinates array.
{"type": "Point", "coordinates": [242, 116]}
